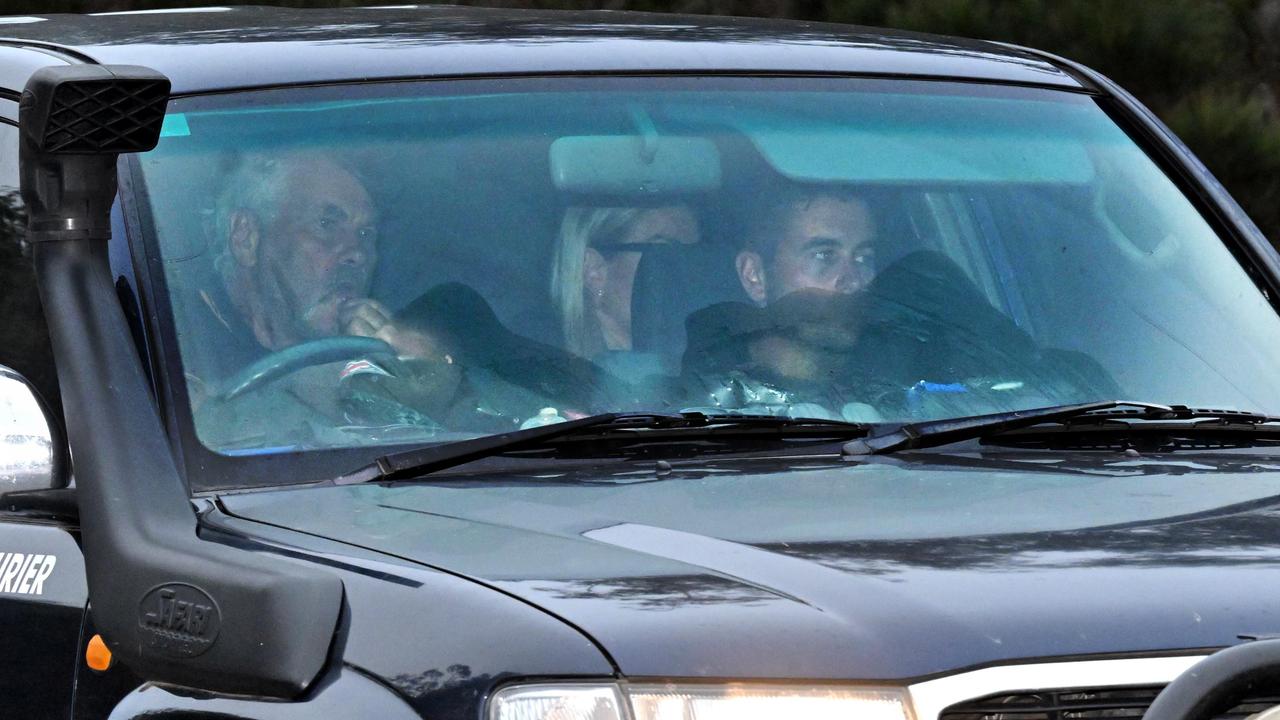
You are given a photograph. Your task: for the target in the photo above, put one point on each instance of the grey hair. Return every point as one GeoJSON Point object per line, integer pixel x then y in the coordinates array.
{"type": "Point", "coordinates": [581, 228]}
{"type": "Point", "coordinates": [253, 185]}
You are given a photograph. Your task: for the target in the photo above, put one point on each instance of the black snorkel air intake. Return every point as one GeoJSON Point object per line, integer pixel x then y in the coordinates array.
{"type": "Point", "coordinates": [175, 609]}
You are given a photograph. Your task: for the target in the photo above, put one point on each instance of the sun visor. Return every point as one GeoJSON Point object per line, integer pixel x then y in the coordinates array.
{"type": "Point", "coordinates": [828, 153]}
{"type": "Point", "coordinates": [921, 138]}
{"type": "Point", "coordinates": [630, 165]}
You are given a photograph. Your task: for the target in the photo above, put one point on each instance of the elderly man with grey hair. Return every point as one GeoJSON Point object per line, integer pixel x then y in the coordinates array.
{"type": "Point", "coordinates": [300, 248]}
{"type": "Point", "coordinates": [294, 255]}
{"type": "Point", "coordinates": [294, 245]}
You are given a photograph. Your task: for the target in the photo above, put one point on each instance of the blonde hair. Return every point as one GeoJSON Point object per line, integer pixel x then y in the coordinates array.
{"type": "Point", "coordinates": [581, 228]}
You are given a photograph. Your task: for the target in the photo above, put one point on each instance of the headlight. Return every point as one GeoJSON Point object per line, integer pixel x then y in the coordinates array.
{"type": "Point", "coordinates": [697, 702]}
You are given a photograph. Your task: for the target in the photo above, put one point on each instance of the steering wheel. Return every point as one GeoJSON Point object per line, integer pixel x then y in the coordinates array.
{"type": "Point", "coordinates": [304, 355]}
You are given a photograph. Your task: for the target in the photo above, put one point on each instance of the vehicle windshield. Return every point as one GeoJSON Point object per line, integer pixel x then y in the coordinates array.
{"type": "Point", "coordinates": [348, 268]}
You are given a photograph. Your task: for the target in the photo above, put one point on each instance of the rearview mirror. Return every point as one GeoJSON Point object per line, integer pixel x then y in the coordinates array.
{"type": "Point", "coordinates": [32, 453]}
{"type": "Point", "coordinates": [634, 166]}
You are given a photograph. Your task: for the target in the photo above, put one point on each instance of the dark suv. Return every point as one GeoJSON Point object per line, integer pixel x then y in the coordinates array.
{"type": "Point", "coordinates": [455, 363]}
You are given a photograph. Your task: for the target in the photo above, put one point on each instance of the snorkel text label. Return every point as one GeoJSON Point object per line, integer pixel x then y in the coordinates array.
{"type": "Point", "coordinates": [24, 573]}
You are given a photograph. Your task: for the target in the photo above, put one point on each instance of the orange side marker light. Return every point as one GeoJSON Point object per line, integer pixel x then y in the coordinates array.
{"type": "Point", "coordinates": [97, 656]}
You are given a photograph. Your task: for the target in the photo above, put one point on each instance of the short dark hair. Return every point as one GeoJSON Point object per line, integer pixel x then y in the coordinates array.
{"type": "Point", "coordinates": [772, 208]}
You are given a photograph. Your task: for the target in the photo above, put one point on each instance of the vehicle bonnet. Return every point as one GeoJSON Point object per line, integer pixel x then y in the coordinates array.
{"type": "Point", "coordinates": [892, 568]}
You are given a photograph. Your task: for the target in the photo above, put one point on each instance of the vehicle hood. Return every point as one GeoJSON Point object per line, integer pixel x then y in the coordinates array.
{"type": "Point", "coordinates": [888, 568]}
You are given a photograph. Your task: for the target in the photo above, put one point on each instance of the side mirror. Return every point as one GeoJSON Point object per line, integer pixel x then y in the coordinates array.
{"type": "Point", "coordinates": [33, 455]}
{"type": "Point", "coordinates": [1216, 683]}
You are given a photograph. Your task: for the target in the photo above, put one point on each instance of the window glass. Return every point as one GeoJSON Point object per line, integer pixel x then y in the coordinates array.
{"type": "Point", "coordinates": [364, 266]}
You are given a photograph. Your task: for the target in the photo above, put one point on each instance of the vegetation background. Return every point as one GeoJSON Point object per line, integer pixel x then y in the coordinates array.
{"type": "Point", "coordinates": [1209, 68]}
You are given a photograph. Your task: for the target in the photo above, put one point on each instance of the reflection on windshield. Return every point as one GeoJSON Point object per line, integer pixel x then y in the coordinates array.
{"type": "Point", "coordinates": [374, 265]}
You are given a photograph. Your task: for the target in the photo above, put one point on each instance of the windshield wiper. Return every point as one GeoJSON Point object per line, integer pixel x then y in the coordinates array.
{"type": "Point", "coordinates": [923, 435]}
{"type": "Point", "coordinates": [607, 426]}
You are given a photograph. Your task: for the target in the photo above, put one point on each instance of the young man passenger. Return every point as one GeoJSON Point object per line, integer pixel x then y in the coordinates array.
{"type": "Point", "coordinates": [806, 252]}
{"type": "Point", "coordinates": [807, 239]}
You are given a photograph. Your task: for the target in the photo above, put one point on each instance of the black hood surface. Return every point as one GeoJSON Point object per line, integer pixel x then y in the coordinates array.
{"type": "Point", "coordinates": [891, 568]}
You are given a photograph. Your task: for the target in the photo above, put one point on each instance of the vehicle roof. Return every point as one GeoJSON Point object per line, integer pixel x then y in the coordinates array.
{"type": "Point", "coordinates": [208, 49]}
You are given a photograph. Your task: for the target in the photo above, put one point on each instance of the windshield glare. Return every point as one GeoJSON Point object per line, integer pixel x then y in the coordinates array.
{"type": "Point", "coordinates": [364, 266]}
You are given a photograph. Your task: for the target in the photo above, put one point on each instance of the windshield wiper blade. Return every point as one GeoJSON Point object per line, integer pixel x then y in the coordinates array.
{"type": "Point", "coordinates": [427, 460]}
{"type": "Point", "coordinates": [935, 433]}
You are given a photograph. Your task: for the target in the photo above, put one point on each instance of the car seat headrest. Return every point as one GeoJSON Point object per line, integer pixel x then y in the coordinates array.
{"type": "Point", "coordinates": [673, 281]}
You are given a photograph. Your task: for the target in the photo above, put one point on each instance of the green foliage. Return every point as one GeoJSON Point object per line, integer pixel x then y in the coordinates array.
{"type": "Point", "coordinates": [1207, 67]}
{"type": "Point", "coordinates": [1239, 139]}
{"type": "Point", "coordinates": [1140, 45]}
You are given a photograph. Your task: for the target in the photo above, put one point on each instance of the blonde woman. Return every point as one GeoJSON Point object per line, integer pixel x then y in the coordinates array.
{"type": "Point", "coordinates": [595, 267]}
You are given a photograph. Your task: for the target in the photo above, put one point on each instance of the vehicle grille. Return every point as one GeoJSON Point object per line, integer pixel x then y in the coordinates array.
{"type": "Point", "coordinates": [1082, 704]}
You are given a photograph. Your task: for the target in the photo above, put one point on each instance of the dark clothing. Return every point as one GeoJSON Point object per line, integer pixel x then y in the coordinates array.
{"type": "Point", "coordinates": [920, 324]}
{"type": "Point", "coordinates": [216, 342]}
{"type": "Point", "coordinates": [461, 320]}
{"type": "Point", "coordinates": [506, 379]}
